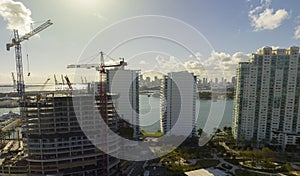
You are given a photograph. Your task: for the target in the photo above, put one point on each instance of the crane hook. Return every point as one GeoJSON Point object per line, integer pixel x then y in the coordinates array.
{"type": "Point", "coordinates": [28, 74]}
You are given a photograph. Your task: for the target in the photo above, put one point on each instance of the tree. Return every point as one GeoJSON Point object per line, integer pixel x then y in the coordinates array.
{"type": "Point", "coordinates": [266, 153]}
{"type": "Point", "coordinates": [229, 130]}
{"type": "Point", "coordinates": [257, 155]}
{"type": "Point", "coordinates": [247, 154]}
{"type": "Point", "coordinates": [200, 131]}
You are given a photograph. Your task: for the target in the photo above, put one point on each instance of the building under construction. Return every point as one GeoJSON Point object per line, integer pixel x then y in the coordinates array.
{"type": "Point", "coordinates": [53, 122]}
{"type": "Point", "coordinates": [54, 140]}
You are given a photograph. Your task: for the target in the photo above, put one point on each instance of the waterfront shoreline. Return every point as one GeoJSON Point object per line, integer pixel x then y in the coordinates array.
{"type": "Point", "coordinates": [9, 103]}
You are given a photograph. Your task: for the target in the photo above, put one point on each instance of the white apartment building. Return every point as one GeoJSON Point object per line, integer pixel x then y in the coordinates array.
{"type": "Point", "coordinates": [267, 98]}
{"type": "Point", "coordinates": [125, 83]}
{"type": "Point", "coordinates": [178, 103]}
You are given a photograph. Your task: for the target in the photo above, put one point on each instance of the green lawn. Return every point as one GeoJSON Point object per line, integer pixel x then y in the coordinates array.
{"type": "Point", "coordinates": [152, 134]}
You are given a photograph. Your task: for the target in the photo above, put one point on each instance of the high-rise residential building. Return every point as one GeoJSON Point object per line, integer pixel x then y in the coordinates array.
{"type": "Point", "coordinates": [142, 81]}
{"type": "Point", "coordinates": [54, 139]}
{"type": "Point", "coordinates": [125, 83]}
{"type": "Point", "coordinates": [233, 81]}
{"type": "Point", "coordinates": [178, 104]}
{"type": "Point", "coordinates": [267, 107]}
{"type": "Point", "coordinates": [204, 82]}
{"type": "Point", "coordinates": [148, 81]}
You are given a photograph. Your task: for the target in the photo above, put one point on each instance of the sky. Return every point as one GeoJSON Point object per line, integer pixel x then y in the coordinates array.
{"type": "Point", "coordinates": [205, 37]}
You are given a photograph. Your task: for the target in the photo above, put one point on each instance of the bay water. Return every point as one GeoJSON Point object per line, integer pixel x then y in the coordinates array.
{"type": "Point", "coordinates": [150, 113]}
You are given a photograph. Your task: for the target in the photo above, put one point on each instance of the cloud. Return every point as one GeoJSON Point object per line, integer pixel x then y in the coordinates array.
{"type": "Point", "coordinates": [142, 62]}
{"type": "Point", "coordinates": [297, 19]}
{"type": "Point", "coordinates": [219, 64]}
{"type": "Point", "coordinates": [297, 32]}
{"type": "Point", "coordinates": [268, 19]}
{"type": "Point", "coordinates": [197, 55]}
{"type": "Point", "coordinates": [100, 17]}
{"type": "Point", "coordinates": [170, 64]}
{"type": "Point", "coordinates": [192, 64]}
{"type": "Point", "coordinates": [264, 18]}
{"type": "Point", "coordinates": [235, 59]}
{"type": "Point", "coordinates": [16, 14]}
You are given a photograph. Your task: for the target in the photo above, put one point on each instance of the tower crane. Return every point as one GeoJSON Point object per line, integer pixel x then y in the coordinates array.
{"type": "Point", "coordinates": [45, 83]}
{"type": "Point", "coordinates": [102, 92]}
{"type": "Point", "coordinates": [102, 71]}
{"type": "Point", "coordinates": [55, 82]}
{"type": "Point", "coordinates": [82, 82]}
{"type": "Point", "coordinates": [39, 95]}
{"type": "Point", "coordinates": [69, 82]}
{"type": "Point", "coordinates": [62, 80]}
{"type": "Point", "coordinates": [16, 42]}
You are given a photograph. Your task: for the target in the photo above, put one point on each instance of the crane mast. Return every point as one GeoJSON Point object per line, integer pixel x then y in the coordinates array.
{"type": "Point", "coordinates": [16, 42]}
{"type": "Point", "coordinates": [19, 66]}
{"type": "Point", "coordinates": [14, 80]}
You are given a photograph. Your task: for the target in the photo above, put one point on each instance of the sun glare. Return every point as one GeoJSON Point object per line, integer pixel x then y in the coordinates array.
{"type": "Point", "coordinates": [87, 2]}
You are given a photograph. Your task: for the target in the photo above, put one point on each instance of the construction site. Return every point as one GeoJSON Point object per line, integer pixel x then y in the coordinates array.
{"type": "Point", "coordinates": [51, 140]}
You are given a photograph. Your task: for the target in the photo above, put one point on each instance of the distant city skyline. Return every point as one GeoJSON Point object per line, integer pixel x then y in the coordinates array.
{"type": "Point", "coordinates": [234, 29]}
